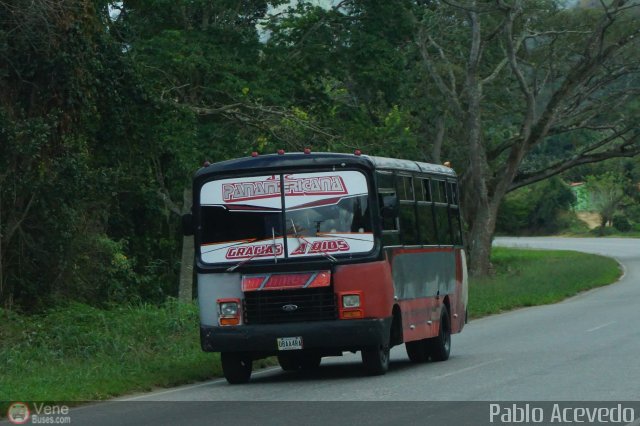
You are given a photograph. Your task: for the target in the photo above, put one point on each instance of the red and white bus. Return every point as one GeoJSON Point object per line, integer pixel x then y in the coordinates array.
{"type": "Point", "coordinates": [306, 255]}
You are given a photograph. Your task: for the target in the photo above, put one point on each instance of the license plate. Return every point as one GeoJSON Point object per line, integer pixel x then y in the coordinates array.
{"type": "Point", "coordinates": [289, 343]}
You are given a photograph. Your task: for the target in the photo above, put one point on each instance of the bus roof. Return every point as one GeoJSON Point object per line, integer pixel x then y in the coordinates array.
{"type": "Point", "coordinates": [299, 160]}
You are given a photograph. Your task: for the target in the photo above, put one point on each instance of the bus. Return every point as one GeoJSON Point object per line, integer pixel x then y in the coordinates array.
{"type": "Point", "coordinates": [307, 255]}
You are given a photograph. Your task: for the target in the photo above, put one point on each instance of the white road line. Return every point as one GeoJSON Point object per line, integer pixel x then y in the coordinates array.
{"type": "Point", "coordinates": [600, 326]}
{"type": "Point", "coordinates": [212, 382]}
{"type": "Point", "coordinates": [473, 367]}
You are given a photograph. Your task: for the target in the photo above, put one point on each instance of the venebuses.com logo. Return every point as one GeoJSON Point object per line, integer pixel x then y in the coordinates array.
{"type": "Point", "coordinates": [19, 413]}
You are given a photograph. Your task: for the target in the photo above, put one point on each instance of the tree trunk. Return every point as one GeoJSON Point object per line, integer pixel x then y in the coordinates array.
{"type": "Point", "coordinates": [185, 286]}
{"type": "Point", "coordinates": [480, 214]}
{"type": "Point", "coordinates": [185, 289]}
{"type": "Point", "coordinates": [436, 151]}
{"type": "Point", "coordinates": [480, 239]}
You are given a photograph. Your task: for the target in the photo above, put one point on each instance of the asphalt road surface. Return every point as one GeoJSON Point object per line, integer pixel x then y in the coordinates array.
{"type": "Point", "coordinates": [586, 348]}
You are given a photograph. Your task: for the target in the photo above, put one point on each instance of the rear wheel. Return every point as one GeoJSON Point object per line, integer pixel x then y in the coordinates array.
{"type": "Point", "coordinates": [236, 367]}
{"type": "Point", "coordinates": [418, 351]}
{"type": "Point", "coordinates": [376, 359]}
{"type": "Point", "coordinates": [440, 346]}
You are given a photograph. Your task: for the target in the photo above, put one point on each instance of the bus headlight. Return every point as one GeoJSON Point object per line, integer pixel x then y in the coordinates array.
{"type": "Point", "coordinates": [229, 309]}
{"type": "Point", "coordinates": [351, 301]}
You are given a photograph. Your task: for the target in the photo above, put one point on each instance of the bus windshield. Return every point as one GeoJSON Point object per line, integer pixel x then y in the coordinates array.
{"type": "Point", "coordinates": [325, 214]}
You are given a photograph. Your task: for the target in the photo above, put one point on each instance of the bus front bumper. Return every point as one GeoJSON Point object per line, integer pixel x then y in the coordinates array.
{"type": "Point", "coordinates": [338, 335]}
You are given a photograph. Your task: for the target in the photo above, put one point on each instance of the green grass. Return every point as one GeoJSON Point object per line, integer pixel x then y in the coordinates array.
{"type": "Point", "coordinates": [80, 353]}
{"type": "Point", "coordinates": [84, 353]}
{"type": "Point", "coordinates": [594, 234]}
{"type": "Point", "coordinates": [537, 277]}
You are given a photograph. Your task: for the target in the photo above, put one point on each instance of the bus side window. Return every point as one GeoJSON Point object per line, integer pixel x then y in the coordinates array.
{"type": "Point", "coordinates": [425, 223]}
{"type": "Point", "coordinates": [389, 210]}
{"type": "Point", "coordinates": [407, 211]}
{"type": "Point", "coordinates": [388, 200]}
{"type": "Point", "coordinates": [405, 184]}
{"type": "Point", "coordinates": [426, 186]}
{"type": "Point", "coordinates": [452, 193]}
{"type": "Point", "coordinates": [419, 189]}
{"type": "Point", "coordinates": [454, 213]}
{"type": "Point", "coordinates": [439, 191]}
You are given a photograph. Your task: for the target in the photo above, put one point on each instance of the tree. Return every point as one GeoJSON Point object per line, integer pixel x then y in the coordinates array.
{"type": "Point", "coordinates": [607, 193]}
{"type": "Point", "coordinates": [79, 215]}
{"type": "Point", "coordinates": [518, 75]}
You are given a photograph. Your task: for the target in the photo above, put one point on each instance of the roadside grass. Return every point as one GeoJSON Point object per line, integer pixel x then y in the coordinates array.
{"type": "Point", "coordinates": [537, 277]}
{"type": "Point", "coordinates": [81, 353]}
{"type": "Point", "coordinates": [595, 234]}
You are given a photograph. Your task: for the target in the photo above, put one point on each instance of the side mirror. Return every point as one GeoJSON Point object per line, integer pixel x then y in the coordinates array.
{"type": "Point", "coordinates": [187, 224]}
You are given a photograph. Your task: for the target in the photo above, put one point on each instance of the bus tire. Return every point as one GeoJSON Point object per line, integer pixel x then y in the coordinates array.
{"type": "Point", "coordinates": [376, 360]}
{"type": "Point", "coordinates": [236, 367]}
{"type": "Point", "coordinates": [440, 346]}
{"type": "Point", "coordinates": [417, 351]}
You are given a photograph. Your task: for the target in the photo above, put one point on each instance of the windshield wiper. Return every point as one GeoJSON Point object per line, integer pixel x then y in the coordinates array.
{"type": "Point", "coordinates": [275, 253]}
{"type": "Point", "coordinates": [236, 266]}
{"type": "Point", "coordinates": [300, 237]}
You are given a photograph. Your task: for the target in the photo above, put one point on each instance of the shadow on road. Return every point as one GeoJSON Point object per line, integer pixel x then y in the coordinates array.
{"type": "Point", "coordinates": [329, 371]}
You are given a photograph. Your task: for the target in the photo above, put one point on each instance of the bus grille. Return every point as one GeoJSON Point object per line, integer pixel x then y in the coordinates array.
{"type": "Point", "coordinates": [267, 307]}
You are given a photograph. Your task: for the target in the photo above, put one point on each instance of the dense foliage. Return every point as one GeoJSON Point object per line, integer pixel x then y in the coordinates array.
{"type": "Point", "coordinates": [539, 209]}
{"type": "Point", "coordinates": [106, 109]}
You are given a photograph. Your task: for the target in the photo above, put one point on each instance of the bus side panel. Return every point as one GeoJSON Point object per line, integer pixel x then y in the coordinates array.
{"type": "Point", "coordinates": [415, 316]}
{"type": "Point", "coordinates": [375, 282]}
{"type": "Point", "coordinates": [422, 278]}
{"type": "Point", "coordinates": [212, 287]}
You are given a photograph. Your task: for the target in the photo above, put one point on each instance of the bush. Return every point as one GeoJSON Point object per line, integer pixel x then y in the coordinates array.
{"type": "Point", "coordinates": [601, 231]}
{"type": "Point", "coordinates": [569, 221]}
{"type": "Point", "coordinates": [621, 223]}
{"type": "Point", "coordinates": [633, 213]}
{"type": "Point", "coordinates": [538, 209]}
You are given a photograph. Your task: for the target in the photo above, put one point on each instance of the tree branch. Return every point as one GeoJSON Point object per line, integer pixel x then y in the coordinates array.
{"type": "Point", "coordinates": [427, 61]}
{"type": "Point", "coordinates": [626, 149]}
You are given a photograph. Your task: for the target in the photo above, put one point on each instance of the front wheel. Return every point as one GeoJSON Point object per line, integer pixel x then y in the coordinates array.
{"type": "Point", "coordinates": [440, 346]}
{"type": "Point", "coordinates": [236, 367]}
{"type": "Point", "coordinates": [376, 360]}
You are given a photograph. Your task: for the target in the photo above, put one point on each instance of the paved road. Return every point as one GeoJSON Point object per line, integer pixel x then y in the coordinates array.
{"type": "Point", "coordinates": [585, 348]}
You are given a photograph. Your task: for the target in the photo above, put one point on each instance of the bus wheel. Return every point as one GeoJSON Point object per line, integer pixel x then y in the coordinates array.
{"type": "Point", "coordinates": [440, 346]}
{"type": "Point", "coordinates": [418, 351]}
{"type": "Point", "coordinates": [376, 360]}
{"type": "Point", "coordinates": [236, 367]}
